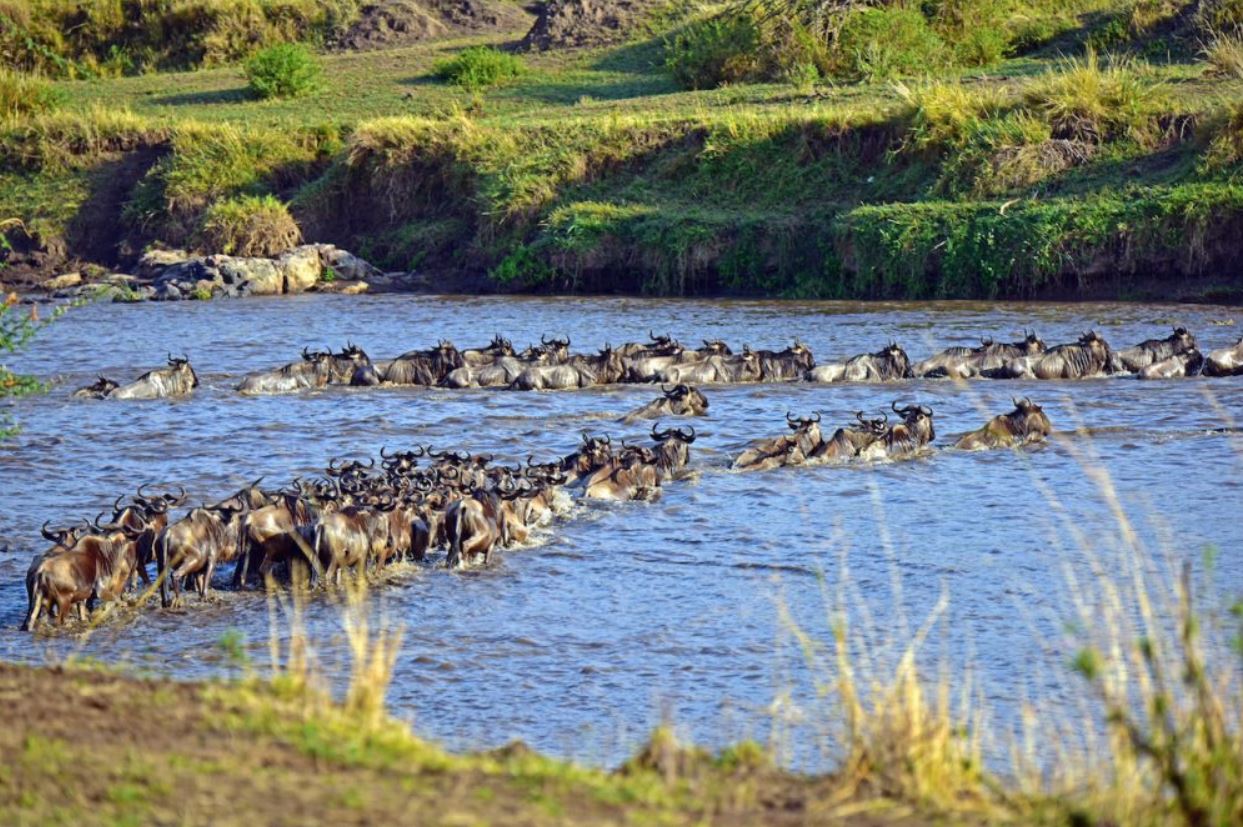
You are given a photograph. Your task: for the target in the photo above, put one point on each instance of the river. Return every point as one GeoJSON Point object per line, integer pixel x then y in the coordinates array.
{"type": "Point", "coordinates": [630, 614]}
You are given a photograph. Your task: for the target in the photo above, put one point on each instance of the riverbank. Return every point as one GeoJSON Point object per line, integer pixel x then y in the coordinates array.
{"type": "Point", "coordinates": [1042, 176]}
{"type": "Point", "coordinates": [90, 746]}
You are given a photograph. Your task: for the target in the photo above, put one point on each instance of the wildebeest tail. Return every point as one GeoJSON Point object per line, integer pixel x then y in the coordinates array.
{"type": "Point", "coordinates": [34, 594]}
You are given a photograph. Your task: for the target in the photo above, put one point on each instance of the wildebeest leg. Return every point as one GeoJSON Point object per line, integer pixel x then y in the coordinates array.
{"type": "Point", "coordinates": [82, 613]}
{"type": "Point", "coordinates": [36, 606]}
{"type": "Point", "coordinates": [62, 610]}
{"type": "Point", "coordinates": [162, 571]}
{"type": "Point", "coordinates": [206, 587]}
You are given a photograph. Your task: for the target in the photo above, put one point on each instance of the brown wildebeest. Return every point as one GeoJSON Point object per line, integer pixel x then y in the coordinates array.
{"type": "Point", "coordinates": [909, 436]}
{"type": "Point", "coordinates": [681, 400]}
{"type": "Point", "coordinates": [178, 379]}
{"type": "Point", "coordinates": [672, 450]}
{"type": "Point", "coordinates": [886, 365]}
{"type": "Point", "coordinates": [967, 362]}
{"type": "Point", "coordinates": [499, 348]}
{"type": "Point", "coordinates": [850, 442]}
{"type": "Point", "coordinates": [593, 454]}
{"type": "Point", "coordinates": [787, 449]}
{"type": "Point", "coordinates": [193, 546]}
{"type": "Point", "coordinates": [631, 475]}
{"type": "Point", "coordinates": [350, 537]}
{"type": "Point", "coordinates": [98, 564]}
{"type": "Point", "coordinates": [1151, 351]}
{"type": "Point", "coordinates": [475, 525]}
{"type": "Point", "coordinates": [715, 369]}
{"type": "Point", "coordinates": [1024, 425]}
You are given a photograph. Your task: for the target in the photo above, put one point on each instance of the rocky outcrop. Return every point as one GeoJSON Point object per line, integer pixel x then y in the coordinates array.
{"type": "Point", "coordinates": [570, 24]}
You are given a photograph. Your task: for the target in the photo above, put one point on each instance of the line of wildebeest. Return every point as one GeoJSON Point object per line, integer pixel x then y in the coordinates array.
{"type": "Point", "coordinates": [552, 366]}
{"type": "Point", "coordinates": [415, 503]}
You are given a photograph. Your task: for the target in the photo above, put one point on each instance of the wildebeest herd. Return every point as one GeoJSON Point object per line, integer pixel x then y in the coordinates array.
{"type": "Point", "coordinates": [551, 365]}
{"type": "Point", "coordinates": [419, 503]}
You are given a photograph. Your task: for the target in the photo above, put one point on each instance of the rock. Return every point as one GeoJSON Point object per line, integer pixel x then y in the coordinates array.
{"type": "Point", "coordinates": [346, 265]}
{"type": "Point", "coordinates": [168, 292]}
{"type": "Point", "coordinates": [119, 279]}
{"type": "Point", "coordinates": [153, 262]}
{"type": "Point", "coordinates": [355, 288]}
{"type": "Point", "coordinates": [302, 268]}
{"type": "Point", "coordinates": [261, 274]}
{"type": "Point", "coordinates": [187, 273]}
{"type": "Point", "coordinates": [63, 282]}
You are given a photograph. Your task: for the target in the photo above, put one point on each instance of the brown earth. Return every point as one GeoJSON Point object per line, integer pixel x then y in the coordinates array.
{"type": "Point", "coordinates": [388, 24]}
{"type": "Point", "coordinates": [92, 747]}
{"type": "Point", "coordinates": [570, 24]}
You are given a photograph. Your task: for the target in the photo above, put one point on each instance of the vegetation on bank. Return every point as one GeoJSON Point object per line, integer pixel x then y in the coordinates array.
{"type": "Point", "coordinates": [1096, 150]}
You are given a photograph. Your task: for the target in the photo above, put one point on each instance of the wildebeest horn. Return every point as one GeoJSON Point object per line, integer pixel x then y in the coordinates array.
{"type": "Point", "coordinates": [894, 405]}
{"type": "Point", "coordinates": [382, 454]}
{"type": "Point", "coordinates": [685, 437]}
{"type": "Point", "coordinates": [666, 391]}
{"type": "Point", "coordinates": [816, 414]}
{"type": "Point", "coordinates": [116, 504]}
{"type": "Point", "coordinates": [181, 496]}
{"type": "Point", "coordinates": [543, 339]}
{"type": "Point", "coordinates": [925, 410]}
{"type": "Point", "coordinates": [48, 535]}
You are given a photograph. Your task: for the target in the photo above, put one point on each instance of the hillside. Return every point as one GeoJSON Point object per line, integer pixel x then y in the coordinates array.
{"type": "Point", "coordinates": [1068, 150]}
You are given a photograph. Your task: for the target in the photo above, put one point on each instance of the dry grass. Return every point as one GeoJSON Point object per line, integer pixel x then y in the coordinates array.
{"type": "Point", "coordinates": [249, 226]}
{"type": "Point", "coordinates": [1088, 99]}
{"type": "Point", "coordinates": [1224, 56]}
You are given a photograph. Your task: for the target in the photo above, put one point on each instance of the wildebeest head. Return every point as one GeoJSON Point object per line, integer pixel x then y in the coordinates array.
{"type": "Point", "coordinates": [64, 536]}
{"type": "Point", "coordinates": [801, 355]}
{"type": "Point", "coordinates": [685, 400]}
{"type": "Point", "coordinates": [1032, 344]}
{"type": "Point", "coordinates": [609, 366]}
{"type": "Point", "coordinates": [558, 350]}
{"type": "Point", "coordinates": [400, 462]}
{"type": "Point", "coordinates": [1029, 418]}
{"type": "Point", "coordinates": [918, 421]}
{"type": "Point", "coordinates": [101, 388]}
{"type": "Point", "coordinates": [897, 358]}
{"type": "Point", "coordinates": [1182, 340]}
{"type": "Point", "coordinates": [181, 367]}
{"type": "Point", "coordinates": [715, 347]}
{"type": "Point", "coordinates": [664, 345]}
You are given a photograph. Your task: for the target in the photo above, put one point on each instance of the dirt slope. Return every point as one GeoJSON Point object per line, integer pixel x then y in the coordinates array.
{"type": "Point", "coordinates": [569, 24]}
{"type": "Point", "coordinates": [387, 24]}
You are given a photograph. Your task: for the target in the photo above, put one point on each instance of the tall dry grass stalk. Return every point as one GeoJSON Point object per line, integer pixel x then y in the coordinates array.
{"type": "Point", "coordinates": [373, 655]}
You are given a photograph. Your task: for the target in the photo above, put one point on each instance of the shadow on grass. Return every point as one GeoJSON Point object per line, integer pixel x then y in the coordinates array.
{"type": "Point", "coordinates": [239, 95]}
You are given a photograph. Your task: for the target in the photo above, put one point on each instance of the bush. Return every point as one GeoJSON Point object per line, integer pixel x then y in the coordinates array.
{"type": "Point", "coordinates": [249, 226]}
{"type": "Point", "coordinates": [708, 53]}
{"type": "Point", "coordinates": [883, 43]}
{"type": "Point", "coordinates": [22, 94]}
{"type": "Point", "coordinates": [287, 70]}
{"type": "Point", "coordinates": [480, 67]}
{"type": "Point", "coordinates": [1086, 101]}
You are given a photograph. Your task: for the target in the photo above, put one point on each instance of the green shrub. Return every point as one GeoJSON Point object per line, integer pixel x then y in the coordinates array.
{"type": "Point", "coordinates": [883, 43]}
{"type": "Point", "coordinates": [707, 53]}
{"type": "Point", "coordinates": [287, 70]}
{"type": "Point", "coordinates": [480, 67]}
{"type": "Point", "coordinates": [22, 94]}
{"type": "Point", "coordinates": [1085, 100]}
{"type": "Point", "coordinates": [249, 226]}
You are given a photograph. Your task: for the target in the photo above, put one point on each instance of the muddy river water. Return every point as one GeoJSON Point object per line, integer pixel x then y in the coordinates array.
{"type": "Point", "coordinates": [631, 613]}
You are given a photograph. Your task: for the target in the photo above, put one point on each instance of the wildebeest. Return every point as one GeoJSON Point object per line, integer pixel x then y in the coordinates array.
{"type": "Point", "coordinates": [1150, 351]}
{"type": "Point", "coordinates": [498, 374]}
{"type": "Point", "coordinates": [193, 546]}
{"type": "Point", "coordinates": [715, 370]}
{"type": "Point", "coordinates": [1188, 363]}
{"type": "Point", "coordinates": [788, 449]}
{"type": "Point", "coordinates": [314, 371]}
{"type": "Point", "coordinates": [780, 366]}
{"type": "Point", "coordinates": [681, 400]}
{"type": "Point", "coordinates": [350, 537]}
{"type": "Point", "coordinates": [95, 563]}
{"type": "Point", "coordinates": [909, 436]}
{"type": "Point", "coordinates": [553, 377]}
{"type": "Point", "coordinates": [1225, 362]}
{"type": "Point", "coordinates": [144, 518]}
{"type": "Point", "coordinates": [475, 525]}
{"type": "Point", "coordinates": [499, 348]}
{"type": "Point", "coordinates": [593, 454]}
{"type": "Point", "coordinates": [850, 441]}
{"type": "Point", "coordinates": [100, 389]}
{"type": "Point", "coordinates": [178, 379]}
{"type": "Point", "coordinates": [967, 362]}
{"type": "Point", "coordinates": [424, 367]}
{"type": "Point", "coordinates": [884, 365]}
{"type": "Point", "coordinates": [1026, 424]}
{"type": "Point", "coordinates": [352, 366]}
{"type": "Point", "coordinates": [1089, 357]}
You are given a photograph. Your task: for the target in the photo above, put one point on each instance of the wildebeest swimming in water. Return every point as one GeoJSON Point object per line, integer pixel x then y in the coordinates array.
{"type": "Point", "coordinates": [885, 365]}
{"type": "Point", "coordinates": [1089, 357]}
{"type": "Point", "coordinates": [851, 441]}
{"type": "Point", "coordinates": [1026, 424]}
{"type": "Point", "coordinates": [314, 371]}
{"type": "Point", "coordinates": [1151, 351]}
{"type": "Point", "coordinates": [967, 362]}
{"type": "Point", "coordinates": [681, 400]}
{"type": "Point", "coordinates": [176, 380]}
{"type": "Point", "coordinates": [99, 390]}
{"type": "Point", "coordinates": [788, 449]}
{"type": "Point", "coordinates": [1188, 363]}
{"type": "Point", "coordinates": [1225, 362]}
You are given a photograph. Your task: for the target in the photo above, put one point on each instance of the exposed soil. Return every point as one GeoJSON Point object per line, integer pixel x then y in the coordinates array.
{"type": "Point", "coordinates": [570, 24]}
{"type": "Point", "coordinates": [91, 747]}
{"type": "Point", "coordinates": [388, 24]}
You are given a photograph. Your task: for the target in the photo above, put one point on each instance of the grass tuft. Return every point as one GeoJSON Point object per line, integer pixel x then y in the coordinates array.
{"type": "Point", "coordinates": [480, 67]}
{"type": "Point", "coordinates": [249, 226]}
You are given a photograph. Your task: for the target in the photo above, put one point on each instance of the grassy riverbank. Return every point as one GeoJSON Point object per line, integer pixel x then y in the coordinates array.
{"type": "Point", "coordinates": [1058, 171]}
